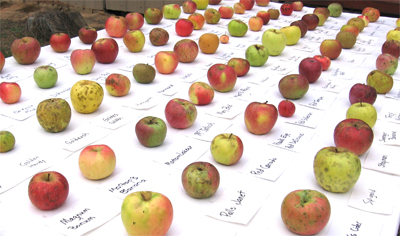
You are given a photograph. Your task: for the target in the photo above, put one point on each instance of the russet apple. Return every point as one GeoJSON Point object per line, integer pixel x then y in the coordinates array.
{"type": "Point", "coordinates": [184, 27]}
{"type": "Point", "coordinates": [7, 141]}
{"type": "Point", "coordinates": [189, 7]}
{"type": "Point", "coordinates": [53, 114]}
{"type": "Point", "coordinates": [10, 92]}
{"type": "Point", "coordinates": [391, 46]}
{"type": "Point", "coordinates": [222, 77]}
{"type": "Point", "coordinates": [86, 96]}
{"type": "Point", "coordinates": [363, 111]}
{"type": "Point", "coordinates": [25, 50]}
{"type": "Point", "coordinates": [286, 108]}
{"type": "Point", "coordinates": [359, 23]}
{"type": "Point", "coordinates": [60, 42]}
{"type": "Point", "coordinates": [180, 113]}
{"type": "Point", "coordinates": [212, 16]}
{"type": "Point", "coordinates": [153, 15]}
{"type": "Point", "coordinates": [45, 76]}
{"type": "Point", "coordinates": [324, 60]}
{"type": "Point", "coordinates": [226, 148]}
{"type": "Point", "coordinates": [187, 50]}
{"type": "Point", "coordinates": [118, 85]}
{"type": "Point", "coordinates": [134, 40]}
{"type": "Point", "coordinates": [257, 55]}
{"type": "Point", "coordinates": [274, 40]}
{"type": "Point", "coordinates": [151, 131]}
{"type": "Point", "coordinates": [260, 118]}
{"type": "Point", "coordinates": [83, 61]}
{"type": "Point", "coordinates": [144, 73]}
{"type": "Point", "coordinates": [240, 65]}
{"type": "Point", "coordinates": [87, 35]}
{"type": "Point", "coordinates": [330, 48]}
{"type": "Point", "coordinates": [381, 81]}
{"type": "Point", "coordinates": [201, 93]}
{"type": "Point", "coordinates": [158, 36]}
{"type": "Point", "coordinates": [200, 179]}
{"type": "Point", "coordinates": [387, 63]}
{"type": "Point", "coordinates": [293, 86]}
{"type": "Point", "coordinates": [166, 61]}
{"type": "Point", "coordinates": [198, 20]}
{"type": "Point", "coordinates": [171, 11]}
{"type": "Point", "coordinates": [116, 26]}
{"type": "Point", "coordinates": [362, 93]}
{"type": "Point", "coordinates": [106, 50]}
{"type": "Point", "coordinates": [274, 13]}
{"type": "Point", "coordinates": [134, 20]}
{"type": "Point", "coordinates": [97, 161]}
{"type": "Point", "coordinates": [226, 12]}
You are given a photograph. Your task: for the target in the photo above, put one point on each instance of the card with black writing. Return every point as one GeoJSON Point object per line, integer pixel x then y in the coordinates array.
{"type": "Point", "coordinates": [318, 100]}
{"type": "Point", "coordinates": [14, 74]}
{"type": "Point", "coordinates": [383, 159]}
{"type": "Point", "coordinates": [390, 111]}
{"type": "Point", "coordinates": [341, 72]}
{"type": "Point", "coordinates": [227, 108]}
{"type": "Point", "coordinates": [206, 129]}
{"type": "Point", "coordinates": [115, 118]}
{"type": "Point", "coordinates": [334, 85]}
{"type": "Point", "coordinates": [248, 92]}
{"type": "Point", "coordinates": [386, 133]}
{"type": "Point", "coordinates": [292, 138]}
{"type": "Point", "coordinates": [21, 110]}
{"type": "Point", "coordinates": [362, 49]}
{"type": "Point", "coordinates": [305, 116]}
{"type": "Point", "coordinates": [143, 100]}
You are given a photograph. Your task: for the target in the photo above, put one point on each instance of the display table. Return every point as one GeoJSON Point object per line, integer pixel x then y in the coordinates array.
{"type": "Point", "coordinates": [93, 207]}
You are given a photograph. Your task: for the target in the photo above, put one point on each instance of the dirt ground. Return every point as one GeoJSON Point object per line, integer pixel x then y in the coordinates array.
{"type": "Point", "coordinates": [14, 16]}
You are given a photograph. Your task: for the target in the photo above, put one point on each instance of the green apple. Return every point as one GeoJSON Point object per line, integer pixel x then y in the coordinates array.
{"type": "Point", "coordinates": [45, 76]}
{"type": "Point", "coordinates": [393, 34]}
{"type": "Point", "coordinates": [171, 11]}
{"type": "Point", "coordinates": [7, 141]}
{"type": "Point", "coordinates": [336, 169]}
{"type": "Point", "coordinates": [200, 179]}
{"type": "Point", "coordinates": [256, 55]}
{"type": "Point", "coordinates": [293, 34]}
{"type": "Point", "coordinates": [151, 131]}
{"type": "Point", "coordinates": [363, 111]}
{"type": "Point", "coordinates": [237, 28]}
{"type": "Point", "coordinates": [381, 81]}
{"type": "Point", "coordinates": [335, 9]}
{"type": "Point", "coordinates": [274, 40]}
{"type": "Point", "coordinates": [144, 73]}
{"type": "Point", "coordinates": [226, 149]}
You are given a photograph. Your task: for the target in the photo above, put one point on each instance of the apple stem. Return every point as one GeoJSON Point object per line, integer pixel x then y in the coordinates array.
{"type": "Point", "coordinates": [146, 195]}
{"type": "Point", "coordinates": [230, 135]}
{"type": "Point", "coordinates": [266, 102]}
{"type": "Point", "coordinates": [360, 102]}
{"type": "Point", "coordinates": [48, 177]}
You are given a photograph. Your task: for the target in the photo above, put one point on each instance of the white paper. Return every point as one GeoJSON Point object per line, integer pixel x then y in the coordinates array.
{"type": "Point", "coordinates": [386, 134]}
{"type": "Point", "coordinates": [226, 56]}
{"type": "Point", "coordinates": [265, 79]}
{"type": "Point", "coordinates": [390, 111]}
{"type": "Point", "coordinates": [207, 128]}
{"type": "Point", "coordinates": [355, 223]}
{"type": "Point", "coordinates": [394, 92]}
{"type": "Point", "coordinates": [227, 108]}
{"type": "Point", "coordinates": [383, 159]}
{"type": "Point", "coordinates": [306, 46]}
{"type": "Point", "coordinates": [342, 72]}
{"type": "Point", "coordinates": [115, 118]}
{"type": "Point", "coordinates": [21, 110]}
{"type": "Point", "coordinates": [318, 100]}
{"type": "Point", "coordinates": [248, 92]}
{"type": "Point", "coordinates": [169, 89]}
{"type": "Point", "coordinates": [59, 92]}
{"type": "Point", "coordinates": [335, 85]}
{"type": "Point", "coordinates": [143, 100]}
{"type": "Point", "coordinates": [362, 49]}
{"type": "Point", "coordinates": [292, 138]}
{"type": "Point", "coordinates": [14, 74]}
{"type": "Point", "coordinates": [307, 117]}
{"type": "Point", "coordinates": [367, 40]}
{"type": "Point", "coordinates": [281, 68]}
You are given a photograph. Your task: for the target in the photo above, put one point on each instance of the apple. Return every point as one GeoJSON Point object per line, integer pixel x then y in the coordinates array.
{"type": "Point", "coordinates": [293, 86]}
{"type": "Point", "coordinates": [362, 93]}
{"type": "Point", "coordinates": [274, 40]}
{"type": "Point", "coordinates": [312, 20]}
{"type": "Point", "coordinates": [200, 179]}
{"type": "Point", "coordinates": [302, 24]}
{"type": "Point", "coordinates": [198, 20]}
{"type": "Point", "coordinates": [87, 35]}
{"type": "Point", "coordinates": [224, 38]}
{"type": "Point", "coordinates": [60, 42]}
{"type": "Point", "coordinates": [97, 161]}
{"type": "Point", "coordinates": [293, 34]}
{"type": "Point", "coordinates": [184, 27]}
{"type": "Point", "coordinates": [214, 2]}
{"type": "Point", "coordinates": [336, 169]}
{"type": "Point", "coordinates": [262, 3]}
{"type": "Point", "coordinates": [222, 77]}
{"type": "Point", "coordinates": [48, 190]}
{"type": "Point", "coordinates": [239, 8]}
{"type": "Point", "coordinates": [106, 50]}
{"type": "Point", "coordinates": [274, 13]}
{"type": "Point", "coordinates": [151, 131]}
{"type": "Point", "coordinates": [10, 92]}
{"type": "Point", "coordinates": [365, 19]}
{"type": "Point", "coordinates": [297, 6]}
{"type": "Point", "coordinates": [118, 85]}
{"type": "Point", "coordinates": [201, 4]}
{"type": "Point", "coordinates": [255, 23]}
{"type": "Point", "coordinates": [310, 68]}
{"type": "Point", "coordinates": [353, 134]}
{"type": "Point", "coordinates": [208, 43]}
{"type": "Point", "coordinates": [83, 61]}
{"type": "Point", "coordinates": [359, 23]}
{"type": "Point", "coordinates": [305, 211]}
{"type": "Point", "coordinates": [387, 63]}
{"type": "Point", "coordinates": [226, 12]}
{"type": "Point", "coordinates": [226, 148]}
{"type": "Point", "coordinates": [335, 9]}
{"type": "Point", "coordinates": [323, 10]}
{"type": "Point", "coordinates": [45, 76]}
{"type": "Point", "coordinates": [286, 108]}
{"type": "Point", "coordinates": [158, 36]}
{"type": "Point", "coordinates": [201, 93]}
{"type": "Point", "coordinates": [372, 13]}
{"type": "Point", "coordinates": [324, 60]}
{"type": "Point", "coordinates": [180, 113]}
{"type": "Point", "coordinates": [7, 141]}
{"type": "Point", "coordinates": [391, 46]}
{"type": "Point", "coordinates": [350, 28]}
{"type": "Point", "coordinates": [86, 96]}
{"type": "Point", "coordinates": [237, 28]}
{"type": "Point", "coordinates": [248, 4]}
{"type": "Point", "coordinates": [187, 50]}
{"type": "Point", "coordinates": [146, 213]}
{"type": "Point", "coordinates": [134, 40]}
{"type": "Point", "coordinates": [189, 7]}
{"type": "Point", "coordinates": [116, 26]}
{"type": "Point", "coordinates": [134, 20]}
{"type": "Point", "coordinates": [53, 114]}
{"type": "Point", "coordinates": [153, 15]}
{"type": "Point", "coordinates": [286, 8]}
{"type": "Point", "coordinates": [260, 118]}
{"type": "Point", "coordinates": [212, 16]}
{"type": "Point", "coordinates": [2, 61]}
{"type": "Point", "coordinates": [25, 50]}
{"type": "Point", "coordinates": [321, 18]}
{"type": "Point", "coordinates": [330, 48]}
{"type": "Point", "coordinates": [240, 65]}
{"type": "Point", "coordinates": [381, 81]}
{"type": "Point", "coordinates": [393, 34]}
{"type": "Point", "coordinates": [265, 16]}
{"type": "Point", "coordinates": [398, 22]}
{"type": "Point", "coordinates": [143, 73]}
{"type": "Point", "coordinates": [166, 61]}
{"type": "Point", "coordinates": [171, 11]}
{"type": "Point", "coordinates": [257, 55]}
{"type": "Point", "coordinates": [363, 111]}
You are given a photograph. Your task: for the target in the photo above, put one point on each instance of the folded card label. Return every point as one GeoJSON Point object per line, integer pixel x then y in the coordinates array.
{"type": "Point", "coordinates": [227, 108]}
{"type": "Point", "coordinates": [387, 134]}
{"type": "Point", "coordinates": [293, 138]}
{"type": "Point", "coordinates": [331, 85]}
{"type": "Point", "coordinates": [168, 89]}
{"type": "Point", "coordinates": [279, 68]}
{"type": "Point", "coordinates": [143, 101]}
{"type": "Point", "coordinates": [248, 92]}
{"type": "Point", "coordinates": [318, 100]}
{"type": "Point", "coordinates": [383, 159]}
{"type": "Point", "coordinates": [63, 92]}
{"type": "Point", "coordinates": [306, 117]}
{"type": "Point", "coordinates": [390, 111]}
{"type": "Point", "coordinates": [115, 118]}
{"type": "Point", "coordinates": [352, 223]}
{"type": "Point", "coordinates": [207, 129]}
{"type": "Point", "coordinates": [83, 136]}
{"type": "Point", "coordinates": [21, 111]}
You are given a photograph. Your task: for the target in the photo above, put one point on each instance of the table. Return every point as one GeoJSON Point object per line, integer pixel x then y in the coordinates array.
{"type": "Point", "coordinates": [20, 217]}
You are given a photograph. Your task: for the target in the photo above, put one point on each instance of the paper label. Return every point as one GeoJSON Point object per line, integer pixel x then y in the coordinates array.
{"type": "Point", "coordinates": [305, 117]}
{"type": "Point", "coordinates": [394, 93]}
{"type": "Point", "coordinates": [228, 108]}
{"type": "Point", "coordinates": [115, 118]}
{"type": "Point", "coordinates": [207, 129]}
{"type": "Point", "coordinates": [383, 159]}
{"type": "Point", "coordinates": [318, 100]}
{"type": "Point", "coordinates": [248, 92]}
{"type": "Point", "coordinates": [367, 40]}
{"type": "Point", "coordinates": [62, 92]}
{"type": "Point", "coordinates": [14, 74]}
{"type": "Point", "coordinates": [168, 89]}
{"type": "Point", "coordinates": [342, 72]}
{"type": "Point", "coordinates": [331, 85]}
{"type": "Point", "coordinates": [21, 111]}
{"type": "Point", "coordinates": [357, 223]}
{"type": "Point", "coordinates": [293, 138]}
{"type": "Point", "coordinates": [281, 69]}
{"type": "Point", "coordinates": [390, 111]}
{"type": "Point", "coordinates": [362, 49]}
{"type": "Point", "coordinates": [143, 101]}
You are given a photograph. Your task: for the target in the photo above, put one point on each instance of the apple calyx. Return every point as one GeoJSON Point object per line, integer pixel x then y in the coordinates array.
{"type": "Point", "coordinates": [146, 195]}
{"type": "Point", "coordinates": [304, 197]}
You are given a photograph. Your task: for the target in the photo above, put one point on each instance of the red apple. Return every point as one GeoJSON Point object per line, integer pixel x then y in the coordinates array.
{"type": "Point", "coordinates": [305, 212]}
{"type": "Point", "coordinates": [312, 20]}
{"type": "Point", "coordinates": [293, 86]}
{"type": "Point", "coordinates": [286, 108]}
{"type": "Point", "coordinates": [222, 77]}
{"type": "Point", "coordinates": [60, 42]}
{"type": "Point", "coordinates": [189, 7]}
{"type": "Point", "coordinates": [198, 20]}
{"type": "Point", "coordinates": [116, 26]}
{"type": "Point", "coordinates": [83, 61]}
{"type": "Point", "coordinates": [48, 190]}
{"type": "Point", "coordinates": [184, 27]}
{"type": "Point", "coordinates": [166, 61]}
{"type": "Point", "coordinates": [287, 8]}
{"type": "Point", "coordinates": [324, 60]}
{"type": "Point", "coordinates": [265, 16]}
{"type": "Point", "coordinates": [87, 35]}
{"type": "Point", "coordinates": [248, 4]}
{"type": "Point", "coordinates": [310, 68]}
{"type": "Point", "coordinates": [25, 50]}
{"type": "Point", "coordinates": [153, 15]}
{"type": "Point", "coordinates": [351, 28]}
{"type": "Point", "coordinates": [362, 93]}
{"type": "Point", "coordinates": [201, 93]}
{"type": "Point", "coordinates": [200, 179]}
{"type": "Point", "coordinates": [180, 113]}
{"type": "Point", "coordinates": [239, 8]}
{"type": "Point", "coordinates": [106, 50]}
{"type": "Point", "coordinates": [134, 20]}
{"type": "Point", "coordinates": [262, 3]}
{"type": "Point", "coordinates": [298, 6]}
{"type": "Point", "coordinates": [353, 134]}
{"type": "Point", "coordinates": [240, 65]}
{"type": "Point", "coordinates": [330, 48]}
{"type": "Point", "coordinates": [224, 38]}
{"type": "Point", "coordinates": [323, 10]}
{"type": "Point", "coordinates": [2, 61]}
{"type": "Point", "coordinates": [260, 118]}
{"type": "Point", "coordinates": [151, 131]}
{"type": "Point", "coordinates": [255, 23]}
{"type": "Point", "coordinates": [187, 50]}
{"type": "Point", "coordinates": [214, 2]}
{"type": "Point", "coordinates": [97, 161]}
{"type": "Point", "coordinates": [10, 92]}
{"type": "Point", "coordinates": [118, 85]}
{"type": "Point", "coordinates": [372, 13]}
{"type": "Point", "coordinates": [226, 12]}
{"type": "Point", "coordinates": [302, 24]}
{"type": "Point", "coordinates": [391, 46]}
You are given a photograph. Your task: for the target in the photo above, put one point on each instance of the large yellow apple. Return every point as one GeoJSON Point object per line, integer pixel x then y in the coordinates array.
{"type": "Point", "coordinates": [86, 96]}
{"type": "Point", "coordinates": [201, 4]}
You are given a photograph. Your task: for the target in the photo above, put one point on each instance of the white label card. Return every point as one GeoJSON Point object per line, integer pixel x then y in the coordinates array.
{"type": "Point", "coordinates": [387, 134]}
{"type": "Point", "coordinates": [85, 215]}
{"type": "Point", "coordinates": [362, 49]}
{"type": "Point", "coordinates": [295, 59]}
{"type": "Point", "coordinates": [394, 92]}
{"type": "Point", "coordinates": [342, 72]}
{"type": "Point", "coordinates": [227, 108]}
{"type": "Point", "coordinates": [206, 129]}
{"type": "Point", "coordinates": [115, 118]}
{"type": "Point", "coordinates": [23, 110]}
{"type": "Point", "coordinates": [248, 92]}
{"type": "Point", "coordinates": [390, 111]}
{"type": "Point", "coordinates": [355, 223]}
{"type": "Point", "coordinates": [305, 117]}
{"type": "Point", "coordinates": [240, 46]}
{"type": "Point", "coordinates": [83, 136]}
{"type": "Point", "coordinates": [306, 46]}
{"type": "Point", "coordinates": [168, 89]}
{"type": "Point", "coordinates": [238, 203]}
{"type": "Point", "coordinates": [331, 85]}
{"type": "Point", "coordinates": [101, 77]}
{"type": "Point", "coordinates": [226, 56]}
{"type": "Point", "coordinates": [318, 100]}
{"type": "Point", "coordinates": [367, 40]}
{"type": "Point", "coordinates": [313, 38]}
{"type": "Point", "coordinates": [62, 92]}
{"type": "Point", "coordinates": [280, 68]}
{"type": "Point", "coordinates": [265, 79]}
{"type": "Point", "coordinates": [292, 138]}
{"type": "Point", "coordinates": [143, 101]}
{"type": "Point", "coordinates": [192, 75]}
{"type": "Point", "coordinates": [55, 62]}
{"type": "Point", "coordinates": [14, 74]}
{"type": "Point", "coordinates": [203, 66]}
{"type": "Point", "coordinates": [383, 159]}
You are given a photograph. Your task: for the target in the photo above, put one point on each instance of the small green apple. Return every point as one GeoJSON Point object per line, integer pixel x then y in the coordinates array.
{"type": "Point", "coordinates": [335, 9]}
{"type": "Point", "coordinates": [7, 141]}
{"type": "Point", "coordinates": [45, 76]}
{"type": "Point", "coordinates": [237, 28]}
{"type": "Point", "coordinates": [363, 111]}
{"type": "Point", "coordinates": [257, 55]}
